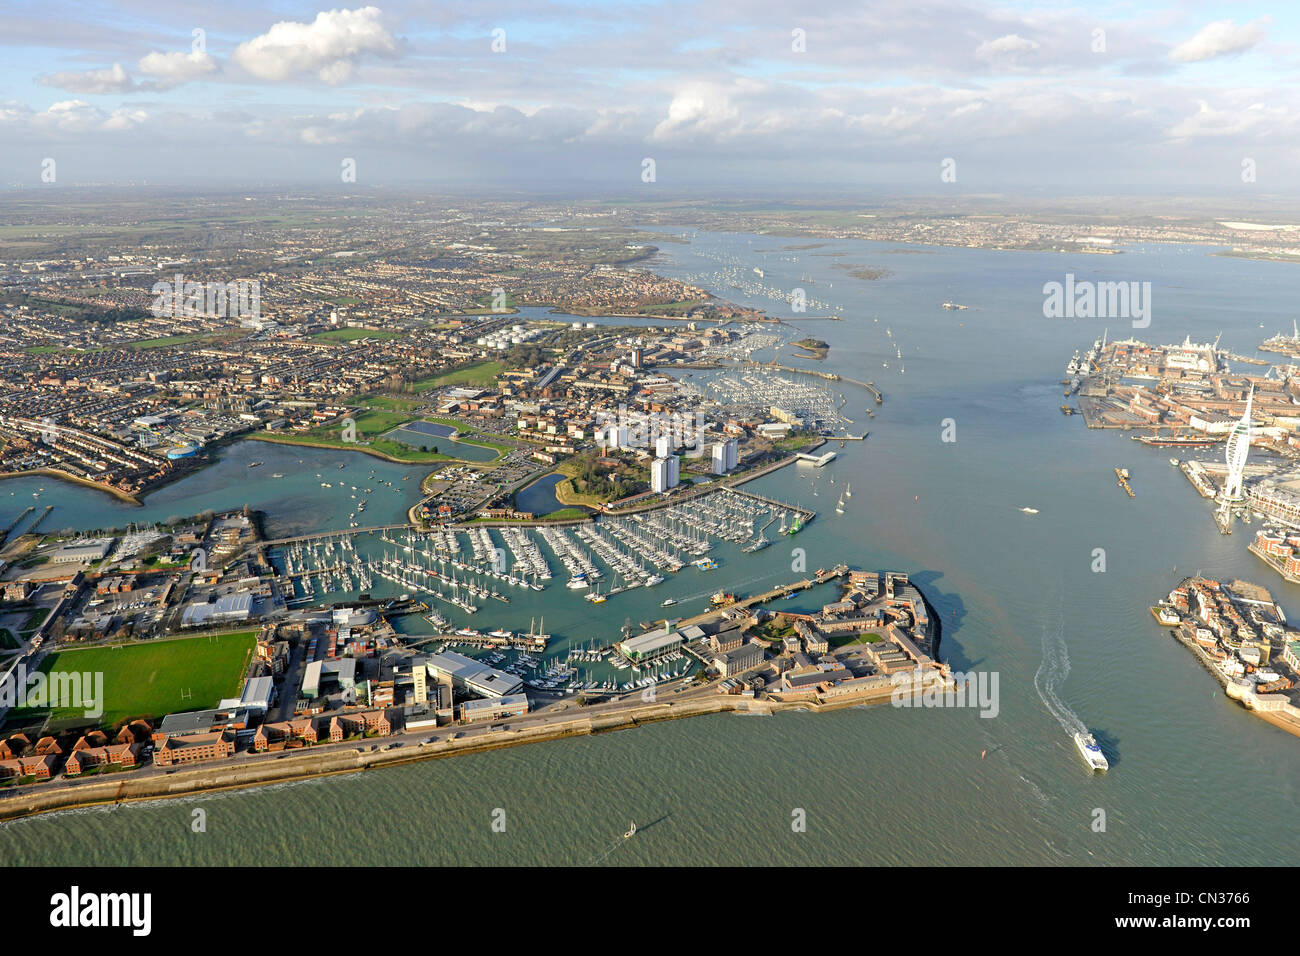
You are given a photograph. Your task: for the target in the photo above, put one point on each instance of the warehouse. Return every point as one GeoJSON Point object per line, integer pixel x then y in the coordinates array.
{"type": "Point", "coordinates": [651, 645]}
{"type": "Point", "coordinates": [468, 674]}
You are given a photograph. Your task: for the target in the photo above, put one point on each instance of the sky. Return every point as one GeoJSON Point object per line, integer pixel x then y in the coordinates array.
{"type": "Point", "coordinates": [766, 97]}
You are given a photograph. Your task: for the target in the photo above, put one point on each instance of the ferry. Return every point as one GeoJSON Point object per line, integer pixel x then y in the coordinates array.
{"type": "Point", "coordinates": [705, 564]}
{"type": "Point", "coordinates": [1090, 751]}
{"type": "Point", "coordinates": [722, 598]}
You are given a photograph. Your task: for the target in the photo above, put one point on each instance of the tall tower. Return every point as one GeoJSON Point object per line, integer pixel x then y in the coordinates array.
{"type": "Point", "coordinates": [1238, 449]}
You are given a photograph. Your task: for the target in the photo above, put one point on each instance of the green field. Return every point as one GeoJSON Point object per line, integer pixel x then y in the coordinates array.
{"type": "Point", "coordinates": [389, 404]}
{"type": "Point", "coordinates": [481, 373]}
{"type": "Point", "coordinates": [351, 335]}
{"type": "Point", "coordinates": [160, 677]}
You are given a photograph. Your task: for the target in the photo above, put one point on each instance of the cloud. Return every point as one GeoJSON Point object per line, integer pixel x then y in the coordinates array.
{"type": "Point", "coordinates": [1220, 38]}
{"type": "Point", "coordinates": [1237, 123]}
{"type": "Point", "coordinates": [1010, 45]}
{"type": "Point", "coordinates": [175, 68]}
{"type": "Point", "coordinates": [78, 116]}
{"type": "Point", "coordinates": [111, 80]}
{"type": "Point", "coordinates": [330, 46]}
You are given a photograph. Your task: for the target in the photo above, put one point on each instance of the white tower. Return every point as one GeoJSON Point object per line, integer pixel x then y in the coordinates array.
{"type": "Point", "coordinates": [1238, 449]}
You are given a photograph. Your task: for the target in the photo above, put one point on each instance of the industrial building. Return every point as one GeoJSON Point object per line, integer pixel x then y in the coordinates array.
{"type": "Point", "coordinates": [82, 552]}
{"type": "Point", "coordinates": [511, 705]}
{"type": "Point", "coordinates": [738, 659]}
{"type": "Point", "coordinates": [468, 674]}
{"type": "Point", "coordinates": [651, 645]}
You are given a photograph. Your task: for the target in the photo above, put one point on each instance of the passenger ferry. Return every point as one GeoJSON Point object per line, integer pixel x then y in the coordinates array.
{"type": "Point", "coordinates": [1090, 751]}
{"type": "Point", "coordinates": [705, 564]}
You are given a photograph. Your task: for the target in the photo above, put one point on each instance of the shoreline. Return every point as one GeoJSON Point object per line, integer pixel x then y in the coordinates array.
{"type": "Point", "coordinates": [366, 449]}
{"type": "Point", "coordinates": [117, 493]}
{"type": "Point", "coordinates": [122, 788]}
{"type": "Point", "coordinates": [1279, 720]}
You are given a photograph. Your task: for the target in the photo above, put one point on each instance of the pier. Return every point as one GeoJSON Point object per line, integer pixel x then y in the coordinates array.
{"type": "Point", "coordinates": [828, 376]}
{"type": "Point", "coordinates": [4, 533]}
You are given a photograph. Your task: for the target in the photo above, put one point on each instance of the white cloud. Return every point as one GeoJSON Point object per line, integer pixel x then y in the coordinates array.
{"type": "Point", "coordinates": [175, 68]}
{"type": "Point", "coordinates": [111, 80]}
{"type": "Point", "coordinates": [1010, 45]}
{"type": "Point", "coordinates": [329, 46]}
{"type": "Point", "coordinates": [1237, 123]}
{"type": "Point", "coordinates": [1220, 38]}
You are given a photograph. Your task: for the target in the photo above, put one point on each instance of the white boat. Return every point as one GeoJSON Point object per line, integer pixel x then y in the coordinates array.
{"type": "Point", "coordinates": [1090, 751]}
{"type": "Point", "coordinates": [1030, 511]}
{"type": "Point", "coordinates": [668, 603]}
{"type": "Point", "coordinates": [631, 827]}
{"type": "Point", "coordinates": [1174, 462]}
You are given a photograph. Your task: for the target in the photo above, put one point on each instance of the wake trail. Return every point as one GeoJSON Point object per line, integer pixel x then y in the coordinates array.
{"type": "Point", "coordinates": [1053, 671]}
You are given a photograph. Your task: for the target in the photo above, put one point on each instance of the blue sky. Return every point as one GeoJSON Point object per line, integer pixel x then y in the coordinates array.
{"type": "Point", "coordinates": [1069, 97]}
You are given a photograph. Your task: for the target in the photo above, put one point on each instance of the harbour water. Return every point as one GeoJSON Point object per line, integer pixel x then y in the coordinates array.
{"type": "Point", "coordinates": [1194, 778]}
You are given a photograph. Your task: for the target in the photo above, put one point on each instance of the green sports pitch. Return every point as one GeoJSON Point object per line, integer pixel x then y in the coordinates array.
{"type": "Point", "coordinates": [160, 677]}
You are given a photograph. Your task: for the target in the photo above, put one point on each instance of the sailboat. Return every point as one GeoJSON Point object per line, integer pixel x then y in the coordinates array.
{"type": "Point", "coordinates": [848, 490]}
{"type": "Point", "coordinates": [839, 508]}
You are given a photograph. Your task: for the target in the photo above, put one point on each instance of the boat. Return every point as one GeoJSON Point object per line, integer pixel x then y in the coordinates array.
{"type": "Point", "coordinates": [578, 581]}
{"type": "Point", "coordinates": [277, 475]}
{"type": "Point", "coordinates": [668, 603]}
{"type": "Point", "coordinates": [722, 598]}
{"type": "Point", "coordinates": [631, 831]}
{"type": "Point", "coordinates": [1030, 511]}
{"type": "Point", "coordinates": [796, 527]}
{"type": "Point", "coordinates": [1175, 441]}
{"type": "Point", "coordinates": [839, 506]}
{"type": "Point", "coordinates": [253, 464]}
{"type": "Point", "coordinates": [705, 564]}
{"type": "Point", "coordinates": [1174, 462]}
{"type": "Point", "coordinates": [1090, 751]}
{"type": "Point", "coordinates": [848, 490]}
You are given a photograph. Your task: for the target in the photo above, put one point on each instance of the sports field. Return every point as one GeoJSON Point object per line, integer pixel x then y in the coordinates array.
{"type": "Point", "coordinates": [162, 677]}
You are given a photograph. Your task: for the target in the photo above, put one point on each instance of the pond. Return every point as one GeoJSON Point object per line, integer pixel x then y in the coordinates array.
{"type": "Point", "coordinates": [539, 497]}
